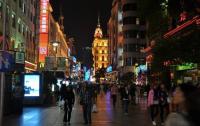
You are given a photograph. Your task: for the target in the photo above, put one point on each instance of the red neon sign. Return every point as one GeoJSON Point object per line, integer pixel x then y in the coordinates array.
{"type": "Point", "coordinates": [43, 40]}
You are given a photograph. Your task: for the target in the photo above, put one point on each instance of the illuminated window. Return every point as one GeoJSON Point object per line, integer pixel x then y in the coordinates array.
{"type": "Point", "coordinates": [100, 59]}
{"type": "Point", "coordinates": [24, 8]}
{"type": "Point", "coordinates": [100, 51]}
{"type": "Point", "coordinates": [13, 20]}
{"type": "Point", "coordinates": [106, 59]}
{"type": "Point", "coordinates": [19, 26]}
{"type": "Point", "coordinates": [137, 21]}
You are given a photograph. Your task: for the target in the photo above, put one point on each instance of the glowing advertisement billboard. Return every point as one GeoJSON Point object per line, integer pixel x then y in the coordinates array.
{"type": "Point", "coordinates": [44, 30]}
{"type": "Point", "coordinates": [32, 85]}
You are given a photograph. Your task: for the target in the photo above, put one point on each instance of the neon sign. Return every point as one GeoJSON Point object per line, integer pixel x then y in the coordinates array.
{"type": "Point", "coordinates": [43, 40]}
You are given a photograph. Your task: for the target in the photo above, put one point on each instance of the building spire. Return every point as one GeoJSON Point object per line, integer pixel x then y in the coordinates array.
{"type": "Point", "coordinates": [99, 25]}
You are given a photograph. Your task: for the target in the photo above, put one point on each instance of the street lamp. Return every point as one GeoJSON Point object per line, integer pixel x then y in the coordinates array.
{"type": "Point", "coordinates": [55, 48]}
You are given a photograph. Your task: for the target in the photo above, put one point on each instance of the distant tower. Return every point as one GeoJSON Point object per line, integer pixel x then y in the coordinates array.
{"type": "Point", "coordinates": [61, 19]}
{"type": "Point", "coordinates": [98, 32]}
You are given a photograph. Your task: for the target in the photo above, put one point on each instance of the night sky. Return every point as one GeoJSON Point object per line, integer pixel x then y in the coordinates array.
{"type": "Point", "coordinates": [81, 20]}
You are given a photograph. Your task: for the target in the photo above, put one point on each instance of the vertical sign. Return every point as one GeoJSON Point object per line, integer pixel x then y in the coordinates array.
{"type": "Point", "coordinates": [43, 40]}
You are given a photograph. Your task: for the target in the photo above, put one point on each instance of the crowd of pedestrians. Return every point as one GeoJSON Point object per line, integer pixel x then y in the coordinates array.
{"type": "Point", "coordinates": [178, 107]}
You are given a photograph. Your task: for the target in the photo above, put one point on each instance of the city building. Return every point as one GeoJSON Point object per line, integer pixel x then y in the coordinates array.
{"type": "Point", "coordinates": [99, 49]}
{"type": "Point", "coordinates": [53, 43]}
{"type": "Point", "coordinates": [18, 26]}
{"type": "Point", "coordinates": [134, 35]}
{"type": "Point", "coordinates": [127, 36]}
{"type": "Point", "coordinates": [20, 32]}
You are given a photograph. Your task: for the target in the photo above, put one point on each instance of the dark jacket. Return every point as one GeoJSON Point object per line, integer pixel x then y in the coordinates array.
{"type": "Point", "coordinates": [69, 97]}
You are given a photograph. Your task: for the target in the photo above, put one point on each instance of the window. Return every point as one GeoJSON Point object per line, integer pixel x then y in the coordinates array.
{"type": "Point", "coordinates": [130, 34]}
{"type": "Point", "coordinates": [137, 21]}
{"type": "Point", "coordinates": [19, 26]}
{"type": "Point", "coordinates": [20, 3]}
{"type": "Point", "coordinates": [24, 8]}
{"type": "Point", "coordinates": [129, 20]}
{"type": "Point", "coordinates": [102, 58]}
{"type": "Point", "coordinates": [142, 34]}
{"type": "Point", "coordinates": [130, 7]}
{"type": "Point", "coordinates": [13, 21]}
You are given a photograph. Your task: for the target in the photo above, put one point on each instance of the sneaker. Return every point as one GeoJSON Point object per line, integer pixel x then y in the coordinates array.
{"type": "Point", "coordinates": [154, 123]}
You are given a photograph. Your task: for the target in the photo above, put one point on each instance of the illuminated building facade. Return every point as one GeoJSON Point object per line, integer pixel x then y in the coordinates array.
{"type": "Point", "coordinates": [115, 40]}
{"type": "Point", "coordinates": [49, 32]}
{"type": "Point", "coordinates": [127, 36]}
{"type": "Point", "coordinates": [99, 49]}
{"type": "Point", "coordinates": [20, 31]}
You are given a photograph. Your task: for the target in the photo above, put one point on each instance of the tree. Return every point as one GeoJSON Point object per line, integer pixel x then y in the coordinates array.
{"type": "Point", "coordinates": [127, 78]}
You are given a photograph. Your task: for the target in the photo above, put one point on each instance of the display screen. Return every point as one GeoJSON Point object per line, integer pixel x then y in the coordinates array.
{"type": "Point", "coordinates": [32, 85]}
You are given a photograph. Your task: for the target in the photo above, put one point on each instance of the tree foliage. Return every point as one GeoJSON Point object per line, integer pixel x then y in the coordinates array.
{"type": "Point", "coordinates": [127, 78]}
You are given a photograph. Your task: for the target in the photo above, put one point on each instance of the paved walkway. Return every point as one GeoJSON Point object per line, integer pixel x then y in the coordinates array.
{"type": "Point", "coordinates": [107, 116]}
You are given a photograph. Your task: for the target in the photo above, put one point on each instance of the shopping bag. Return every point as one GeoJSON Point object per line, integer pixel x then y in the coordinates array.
{"type": "Point", "coordinates": [94, 108]}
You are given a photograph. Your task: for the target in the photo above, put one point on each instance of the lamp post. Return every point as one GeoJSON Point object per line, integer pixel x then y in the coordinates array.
{"type": "Point", "coordinates": [55, 48]}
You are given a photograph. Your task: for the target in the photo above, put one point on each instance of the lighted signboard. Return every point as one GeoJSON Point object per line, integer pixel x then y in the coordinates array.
{"type": "Point", "coordinates": [109, 69]}
{"type": "Point", "coordinates": [43, 40]}
{"type": "Point", "coordinates": [186, 66]}
{"type": "Point", "coordinates": [32, 85]}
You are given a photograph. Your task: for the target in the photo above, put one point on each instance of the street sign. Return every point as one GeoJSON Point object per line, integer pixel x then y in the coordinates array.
{"type": "Point", "coordinates": [6, 61]}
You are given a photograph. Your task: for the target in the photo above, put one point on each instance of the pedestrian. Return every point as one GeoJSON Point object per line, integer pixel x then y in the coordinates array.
{"type": "Point", "coordinates": [163, 103]}
{"type": "Point", "coordinates": [95, 93]}
{"type": "Point", "coordinates": [86, 102]}
{"type": "Point", "coordinates": [132, 93]}
{"type": "Point", "coordinates": [69, 99]}
{"type": "Point", "coordinates": [114, 94]}
{"type": "Point", "coordinates": [126, 98]}
{"type": "Point", "coordinates": [187, 98]}
{"type": "Point", "coordinates": [152, 102]}
{"type": "Point", "coordinates": [18, 94]}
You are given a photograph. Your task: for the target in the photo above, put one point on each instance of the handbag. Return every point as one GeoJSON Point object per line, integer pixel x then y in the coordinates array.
{"type": "Point", "coordinates": [94, 108]}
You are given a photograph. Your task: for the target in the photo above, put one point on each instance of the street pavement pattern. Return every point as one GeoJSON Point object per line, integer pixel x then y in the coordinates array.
{"type": "Point", "coordinates": [106, 116]}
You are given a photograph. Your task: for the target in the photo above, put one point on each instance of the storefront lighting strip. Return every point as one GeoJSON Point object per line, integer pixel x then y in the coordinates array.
{"type": "Point", "coordinates": [31, 63]}
{"type": "Point", "coordinates": [29, 69]}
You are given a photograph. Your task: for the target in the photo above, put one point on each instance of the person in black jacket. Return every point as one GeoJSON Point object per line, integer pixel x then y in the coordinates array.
{"type": "Point", "coordinates": [125, 98]}
{"type": "Point", "coordinates": [69, 98]}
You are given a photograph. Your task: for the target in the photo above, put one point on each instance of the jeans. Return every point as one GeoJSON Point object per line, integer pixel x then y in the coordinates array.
{"type": "Point", "coordinates": [114, 97]}
{"type": "Point", "coordinates": [154, 111]}
{"type": "Point", "coordinates": [125, 104]}
{"type": "Point", "coordinates": [68, 111]}
{"type": "Point", "coordinates": [87, 110]}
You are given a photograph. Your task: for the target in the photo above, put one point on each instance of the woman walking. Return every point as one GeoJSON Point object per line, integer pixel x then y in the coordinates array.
{"type": "Point", "coordinates": [153, 103]}
{"type": "Point", "coordinates": [86, 102]}
{"type": "Point", "coordinates": [187, 98]}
